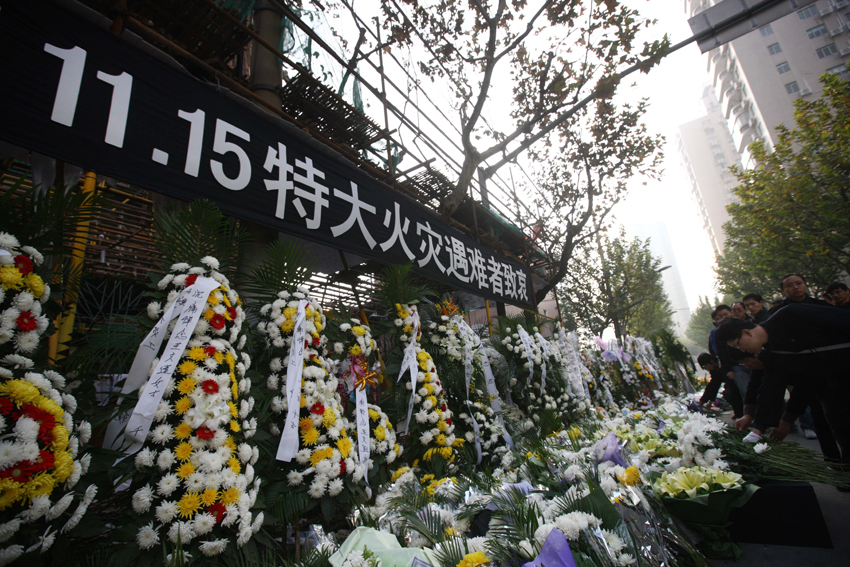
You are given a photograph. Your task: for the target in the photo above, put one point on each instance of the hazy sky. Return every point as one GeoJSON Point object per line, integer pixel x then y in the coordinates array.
{"type": "Point", "coordinates": [673, 89]}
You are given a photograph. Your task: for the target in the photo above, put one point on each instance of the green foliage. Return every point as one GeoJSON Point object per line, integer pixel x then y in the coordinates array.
{"type": "Point", "coordinates": [187, 234]}
{"type": "Point", "coordinates": [47, 219]}
{"type": "Point", "coordinates": [284, 265]}
{"type": "Point", "coordinates": [793, 211]}
{"type": "Point", "coordinates": [700, 323]}
{"type": "Point", "coordinates": [400, 285]}
{"type": "Point", "coordinates": [616, 282]}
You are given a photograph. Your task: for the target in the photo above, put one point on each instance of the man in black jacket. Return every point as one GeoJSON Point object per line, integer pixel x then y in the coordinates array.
{"type": "Point", "coordinates": [811, 344]}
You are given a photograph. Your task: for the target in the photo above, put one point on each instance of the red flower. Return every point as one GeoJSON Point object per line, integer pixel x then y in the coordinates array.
{"type": "Point", "coordinates": [341, 467]}
{"type": "Point", "coordinates": [20, 472]}
{"type": "Point", "coordinates": [44, 462]}
{"type": "Point", "coordinates": [26, 322]}
{"type": "Point", "coordinates": [442, 407]}
{"type": "Point", "coordinates": [218, 321]}
{"type": "Point", "coordinates": [209, 351]}
{"type": "Point", "coordinates": [232, 312]}
{"type": "Point", "coordinates": [316, 341]}
{"type": "Point", "coordinates": [449, 421]}
{"type": "Point", "coordinates": [23, 264]}
{"type": "Point", "coordinates": [45, 420]}
{"type": "Point", "coordinates": [317, 409]}
{"type": "Point", "coordinates": [191, 279]}
{"type": "Point", "coordinates": [6, 405]}
{"type": "Point", "coordinates": [218, 510]}
{"type": "Point", "coordinates": [210, 386]}
{"type": "Point", "coordinates": [204, 432]}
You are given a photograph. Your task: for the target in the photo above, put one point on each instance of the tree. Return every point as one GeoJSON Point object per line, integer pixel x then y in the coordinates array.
{"type": "Point", "coordinates": [615, 282]}
{"type": "Point", "coordinates": [556, 57]}
{"type": "Point", "coordinates": [700, 323]}
{"type": "Point", "coordinates": [793, 209]}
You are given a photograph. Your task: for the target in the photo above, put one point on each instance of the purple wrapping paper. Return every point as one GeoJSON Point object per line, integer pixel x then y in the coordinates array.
{"type": "Point", "coordinates": [607, 449]}
{"type": "Point", "coordinates": [555, 553]}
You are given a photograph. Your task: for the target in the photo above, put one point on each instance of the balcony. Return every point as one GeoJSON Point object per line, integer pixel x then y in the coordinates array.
{"type": "Point", "coordinates": [827, 10]}
{"type": "Point", "coordinates": [732, 100]}
{"type": "Point", "coordinates": [842, 4]}
{"type": "Point", "coordinates": [840, 29]}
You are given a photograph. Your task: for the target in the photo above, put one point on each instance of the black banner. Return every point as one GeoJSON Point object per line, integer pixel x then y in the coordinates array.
{"type": "Point", "coordinates": [77, 92]}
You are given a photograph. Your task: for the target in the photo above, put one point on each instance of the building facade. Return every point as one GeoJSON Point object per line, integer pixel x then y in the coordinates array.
{"type": "Point", "coordinates": [707, 150]}
{"type": "Point", "coordinates": [757, 77]}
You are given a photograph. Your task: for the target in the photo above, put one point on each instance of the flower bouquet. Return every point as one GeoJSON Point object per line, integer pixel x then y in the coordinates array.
{"type": "Point", "coordinates": [194, 484]}
{"type": "Point", "coordinates": [354, 354]}
{"type": "Point", "coordinates": [40, 460]}
{"type": "Point", "coordinates": [316, 452]}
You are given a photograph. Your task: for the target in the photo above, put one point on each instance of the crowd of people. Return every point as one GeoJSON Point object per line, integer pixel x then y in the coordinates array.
{"type": "Point", "coordinates": [783, 363]}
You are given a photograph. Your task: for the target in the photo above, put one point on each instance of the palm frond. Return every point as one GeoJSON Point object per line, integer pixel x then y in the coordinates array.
{"type": "Point", "coordinates": [427, 522]}
{"type": "Point", "coordinates": [285, 265]}
{"type": "Point", "coordinates": [400, 285]}
{"type": "Point", "coordinates": [48, 220]}
{"type": "Point", "coordinates": [189, 233]}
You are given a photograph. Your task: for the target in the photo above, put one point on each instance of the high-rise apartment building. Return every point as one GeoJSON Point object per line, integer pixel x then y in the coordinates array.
{"type": "Point", "coordinates": [758, 76]}
{"type": "Point", "coordinates": [707, 150]}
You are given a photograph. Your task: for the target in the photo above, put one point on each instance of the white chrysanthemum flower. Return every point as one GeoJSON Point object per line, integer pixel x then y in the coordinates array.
{"type": "Point", "coordinates": [210, 261]}
{"type": "Point", "coordinates": [167, 484]}
{"type": "Point", "coordinates": [147, 537]}
{"type": "Point", "coordinates": [142, 499]}
{"type": "Point", "coordinates": [213, 548]}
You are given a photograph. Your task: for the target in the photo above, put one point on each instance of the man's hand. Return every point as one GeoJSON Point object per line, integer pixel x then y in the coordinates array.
{"type": "Point", "coordinates": [730, 375]}
{"type": "Point", "coordinates": [779, 433]}
{"type": "Point", "coordinates": [743, 423]}
{"type": "Point", "coordinates": [753, 363]}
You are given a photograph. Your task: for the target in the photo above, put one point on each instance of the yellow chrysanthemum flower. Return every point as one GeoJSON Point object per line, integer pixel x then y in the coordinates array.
{"type": "Point", "coordinates": [196, 353]}
{"type": "Point", "coordinates": [182, 405]}
{"type": "Point", "coordinates": [187, 385]}
{"type": "Point", "coordinates": [358, 330]}
{"type": "Point", "coordinates": [440, 439]}
{"type": "Point", "coordinates": [458, 442]}
{"type": "Point", "coordinates": [209, 314]}
{"type": "Point", "coordinates": [10, 277]}
{"type": "Point", "coordinates": [185, 470]}
{"type": "Point", "coordinates": [328, 418]}
{"type": "Point", "coordinates": [234, 465]}
{"type": "Point", "coordinates": [63, 466]}
{"type": "Point", "coordinates": [630, 477]}
{"type": "Point", "coordinates": [355, 350]}
{"type": "Point", "coordinates": [20, 391]}
{"type": "Point", "coordinates": [209, 496]}
{"type": "Point", "coordinates": [60, 438]}
{"type": "Point", "coordinates": [287, 326]}
{"type": "Point", "coordinates": [234, 411]}
{"type": "Point", "coordinates": [474, 559]}
{"type": "Point", "coordinates": [310, 436]}
{"type": "Point", "coordinates": [344, 445]}
{"type": "Point", "coordinates": [290, 312]}
{"type": "Point", "coordinates": [188, 505]}
{"type": "Point", "coordinates": [183, 451]}
{"type": "Point", "coordinates": [218, 357]}
{"type": "Point", "coordinates": [397, 474]}
{"type": "Point", "coordinates": [229, 496]}
{"type": "Point", "coordinates": [36, 285]}
{"type": "Point", "coordinates": [373, 415]}
{"type": "Point", "coordinates": [51, 407]}
{"type": "Point", "coordinates": [184, 430]}
{"type": "Point", "coordinates": [320, 455]}
{"type": "Point", "coordinates": [305, 424]}
{"type": "Point", "coordinates": [10, 492]}
{"type": "Point", "coordinates": [234, 390]}
{"type": "Point", "coordinates": [433, 401]}
{"type": "Point", "coordinates": [234, 426]}
{"type": "Point", "coordinates": [380, 433]}
{"type": "Point", "coordinates": [230, 360]}
{"type": "Point", "coordinates": [442, 425]}
{"type": "Point", "coordinates": [214, 298]}
{"type": "Point", "coordinates": [40, 484]}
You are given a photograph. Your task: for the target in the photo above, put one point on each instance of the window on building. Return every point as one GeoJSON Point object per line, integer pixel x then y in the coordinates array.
{"type": "Point", "coordinates": [816, 31]}
{"type": "Point", "coordinates": [847, 15]}
{"type": "Point", "coordinates": [808, 12]}
{"type": "Point", "coordinates": [839, 70]}
{"type": "Point", "coordinates": [766, 30]}
{"type": "Point", "coordinates": [783, 67]}
{"type": "Point", "coordinates": [827, 51]}
{"type": "Point", "coordinates": [774, 49]}
{"type": "Point", "coordinates": [792, 88]}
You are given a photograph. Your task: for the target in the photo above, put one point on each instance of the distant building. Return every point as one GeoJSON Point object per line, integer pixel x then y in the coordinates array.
{"type": "Point", "coordinates": [660, 246]}
{"type": "Point", "coordinates": [758, 76]}
{"type": "Point", "coordinates": [707, 151]}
